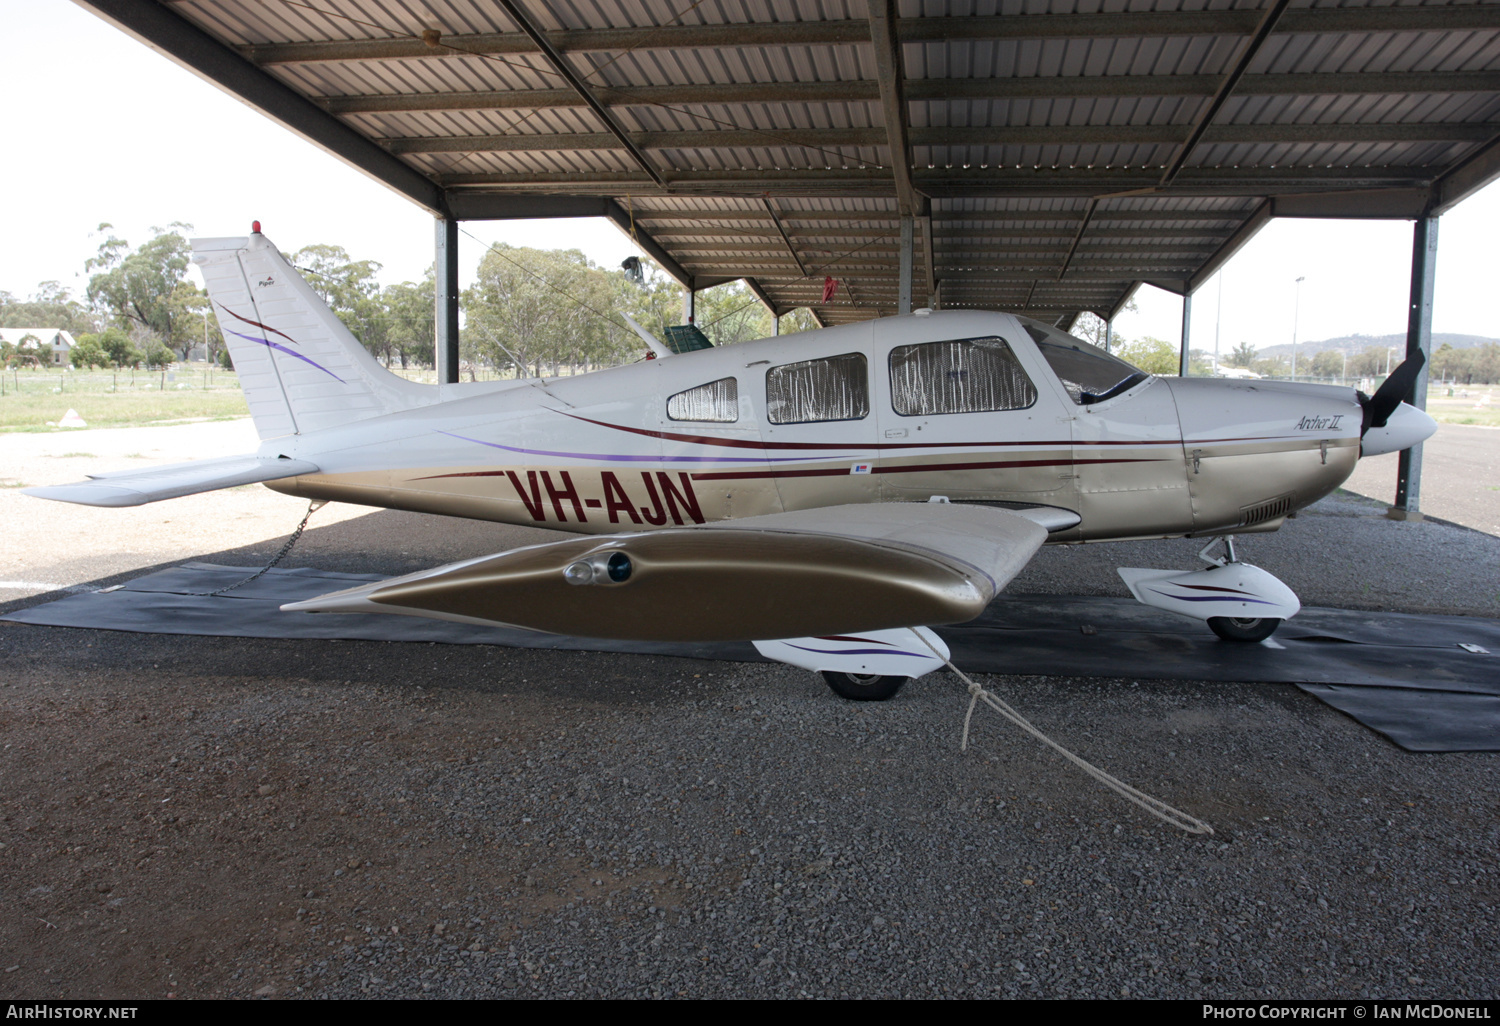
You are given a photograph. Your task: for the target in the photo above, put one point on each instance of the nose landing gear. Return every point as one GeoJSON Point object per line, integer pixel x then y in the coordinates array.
{"type": "Point", "coordinates": [1240, 602]}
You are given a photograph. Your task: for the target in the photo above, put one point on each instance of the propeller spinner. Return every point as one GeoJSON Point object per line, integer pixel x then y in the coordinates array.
{"type": "Point", "coordinates": [1388, 422]}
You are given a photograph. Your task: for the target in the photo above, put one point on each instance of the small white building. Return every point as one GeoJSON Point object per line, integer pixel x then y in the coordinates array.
{"type": "Point", "coordinates": [53, 345]}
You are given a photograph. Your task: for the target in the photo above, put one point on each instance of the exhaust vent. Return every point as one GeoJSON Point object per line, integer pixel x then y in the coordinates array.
{"type": "Point", "coordinates": [1263, 511]}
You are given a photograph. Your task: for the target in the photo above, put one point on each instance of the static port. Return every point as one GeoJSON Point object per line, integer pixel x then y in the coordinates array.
{"type": "Point", "coordinates": [620, 567]}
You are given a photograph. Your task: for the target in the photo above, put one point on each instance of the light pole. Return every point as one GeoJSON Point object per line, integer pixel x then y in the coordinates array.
{"type": "Point", "coordinates": [1296, 309]}
{"type": "Point", "coordinates": [1218, 319]}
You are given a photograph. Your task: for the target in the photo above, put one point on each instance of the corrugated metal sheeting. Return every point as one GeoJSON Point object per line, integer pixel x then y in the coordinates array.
{"type": "Point", "coordinates": [1055, 153]}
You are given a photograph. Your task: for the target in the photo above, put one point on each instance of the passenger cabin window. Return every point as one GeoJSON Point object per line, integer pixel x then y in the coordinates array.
{"type": "Point", "coordinates": [1088, 373]}
{"type": "Point", "coordinates": [837, 388]}
{"type": "Point", "coordinates": [717, 402]}
{"type": "Point", "coordinates": [973, 375]}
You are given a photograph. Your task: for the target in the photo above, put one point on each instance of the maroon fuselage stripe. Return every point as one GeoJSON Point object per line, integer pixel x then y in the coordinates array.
{"type": "Point", "coordinates": [747, 443]}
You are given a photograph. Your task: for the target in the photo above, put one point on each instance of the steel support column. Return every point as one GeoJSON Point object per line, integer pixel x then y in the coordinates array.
{"type": "Point", "coordinates": [1187, 323]}
{"type": "Point", "coordinates": [903, 294]}
{"type": "Point", "coordinates": [689, 304]}
{"type": "Point", "coordinates": [1418, 340]}
{"type": "Point", "coordinates": [445, 300]}
{"type": "Point", "coordinates": [1109, 335]}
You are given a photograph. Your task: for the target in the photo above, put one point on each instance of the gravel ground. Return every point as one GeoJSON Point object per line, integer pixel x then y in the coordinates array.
{"type": "Point", "coordinates": [225, 817]}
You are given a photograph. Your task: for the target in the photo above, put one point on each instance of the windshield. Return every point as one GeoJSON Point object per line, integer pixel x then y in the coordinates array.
{"type": "Point", "coordinates": [1088, 373]}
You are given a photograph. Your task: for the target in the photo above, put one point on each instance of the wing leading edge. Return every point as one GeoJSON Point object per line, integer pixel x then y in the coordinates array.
{"type": "Point", "coordinates": [825, 571]}
{"type": "Point", "coordinates": [136, 487]}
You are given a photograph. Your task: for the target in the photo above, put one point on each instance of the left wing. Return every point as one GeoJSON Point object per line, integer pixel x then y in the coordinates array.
{"type": "Point", "coordinates": [814, 572]}
{"type": "Point", "coordinates": [135, 487]}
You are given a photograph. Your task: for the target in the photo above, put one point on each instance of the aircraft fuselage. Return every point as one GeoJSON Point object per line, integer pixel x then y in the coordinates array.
{"type": "Point", "coordinates": [881, 411]}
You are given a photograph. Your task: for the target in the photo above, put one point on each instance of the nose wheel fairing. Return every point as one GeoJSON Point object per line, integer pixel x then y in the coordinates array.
{"type": "Point", "coordinates": [1239, 602]}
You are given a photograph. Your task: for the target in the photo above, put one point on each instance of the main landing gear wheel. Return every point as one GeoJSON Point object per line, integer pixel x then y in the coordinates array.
{"type": "Point", "coordinates": [1234, 629]}
{"type": "Point", "coordinates": [863, 687]}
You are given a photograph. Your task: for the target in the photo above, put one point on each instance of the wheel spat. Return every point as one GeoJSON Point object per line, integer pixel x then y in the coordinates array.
{"type": "Point", "coordinates": [1378, 408]}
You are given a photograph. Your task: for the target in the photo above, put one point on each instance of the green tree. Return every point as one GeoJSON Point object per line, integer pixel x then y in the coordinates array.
{"type": "Point", "coordinates": [118, 347]}
{"type": "Point", "coordinates": [1152, 355]}
{"type": "Point", "coordinates": [1094, 329]}
{"type": "Point", "coordinates": [351, 290]}
{"type": "Point", "coordinates": [51, 306]}
{"type": "Point", "coordinates": [1243, 355]}
{"type": "Point", "coordinates": [87, 352]}
{"type": "Point", "coordinates": [539, 309]}
{"type": "Point", "coordinates": [731, 313]}
{"type": "Point", "coordinates": [800, 319]}
{"type": "Point", "coordinates": [1328, 364]}
{"type": "Point", "coordinates": [157, 356]}
{"type": "Point", "coordinates": [147, 288]}
{"type": "Point", "coordinates": [410, 314]}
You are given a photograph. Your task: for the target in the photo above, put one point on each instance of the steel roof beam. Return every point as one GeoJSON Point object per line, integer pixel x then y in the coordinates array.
{"type": "Point", "coordinates": [942, 222]}
{"type": "Point", "coordinates": [1477, 171]}
{"type": "Point", "coordinates": [1367, 204]}
{"type": "Point", "coordinates": [560, 65]}
{"type": "Point", "coordinates": [888, 72]}
{"type": "Point", "coordinates": [168, 33]}
{"type": "Point", "coordinates": [853, 31]}
{"type": "Point", "coordinates": [1026, 135]}
{"type": "Point", "coordinates": [971, 183]}
{"type": "Point", "coordinates": [857, 91]}
{"type": "Point", "coordinates": [1247, 53]}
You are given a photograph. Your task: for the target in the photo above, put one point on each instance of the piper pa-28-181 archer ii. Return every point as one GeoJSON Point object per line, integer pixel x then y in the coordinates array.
{"type": "Point", "coordinates": [828, 496]}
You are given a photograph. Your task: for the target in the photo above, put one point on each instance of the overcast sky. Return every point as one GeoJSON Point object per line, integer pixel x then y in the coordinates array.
{"type": "Point", "coordinates": [106, 130]}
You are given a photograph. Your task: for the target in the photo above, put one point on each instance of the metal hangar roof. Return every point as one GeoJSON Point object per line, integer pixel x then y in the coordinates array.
{"type": "Point", "coordinates": [1052, 154]}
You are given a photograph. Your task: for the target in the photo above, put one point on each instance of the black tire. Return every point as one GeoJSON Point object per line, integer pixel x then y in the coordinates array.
{"type": "Point", "coordinates": [1231, 629]}
{"type": "Point", "coordinates": [863, 687]}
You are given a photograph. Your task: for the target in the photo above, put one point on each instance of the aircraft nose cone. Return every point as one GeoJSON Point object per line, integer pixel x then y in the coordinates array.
{"type": "Point", "coordinates": [1404, 428]}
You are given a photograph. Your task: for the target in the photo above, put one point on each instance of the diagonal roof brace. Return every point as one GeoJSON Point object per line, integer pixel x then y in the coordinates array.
{"type": "Point", "coordinates": [565, 70]}
{"type": "Point", "coordinates": [784, 238]}
{"type": "Point", "coordinates": [1248, 51]}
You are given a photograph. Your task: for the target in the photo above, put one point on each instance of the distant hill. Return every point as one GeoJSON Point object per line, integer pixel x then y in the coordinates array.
{"type": "Point", "coordinates": [1352, 344]}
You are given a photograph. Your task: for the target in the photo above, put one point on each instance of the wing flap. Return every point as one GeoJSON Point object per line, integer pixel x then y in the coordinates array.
{"type": "Point", "coordinates": [136, 487]}
{"type": "Point", "coordinates": [828, 571]}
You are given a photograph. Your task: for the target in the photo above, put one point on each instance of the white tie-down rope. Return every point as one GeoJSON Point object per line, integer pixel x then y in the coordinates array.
{"type": "Point", "coordinates": [1158, 808]}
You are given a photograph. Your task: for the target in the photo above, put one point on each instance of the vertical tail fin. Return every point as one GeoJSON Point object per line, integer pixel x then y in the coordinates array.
{"type": "Point", "coordinates": [300, 367]}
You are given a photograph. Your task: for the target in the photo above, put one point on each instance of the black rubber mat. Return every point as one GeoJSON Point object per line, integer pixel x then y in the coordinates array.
{"type": "Point", "coordinates": [1406, 676]}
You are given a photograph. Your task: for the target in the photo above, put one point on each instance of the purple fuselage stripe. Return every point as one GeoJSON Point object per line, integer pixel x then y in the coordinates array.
{"type": "Point", "coordinates": [1211, 598]}
{"type": "Point", "coordinates": [290, 352]}
{"type": "Point", "coordinates": [856, 651]}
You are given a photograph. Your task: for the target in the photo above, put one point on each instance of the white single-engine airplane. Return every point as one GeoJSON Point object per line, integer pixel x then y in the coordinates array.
{"type": "Point", "coordinates": [827, 495]}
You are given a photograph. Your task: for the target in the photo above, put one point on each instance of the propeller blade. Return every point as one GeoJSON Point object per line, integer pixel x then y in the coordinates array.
{"type": "Point", "coordinates": [1397, 386]}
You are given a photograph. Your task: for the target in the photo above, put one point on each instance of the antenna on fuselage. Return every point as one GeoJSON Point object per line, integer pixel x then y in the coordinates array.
{"type": "Point", "coordinates": [658, 349]}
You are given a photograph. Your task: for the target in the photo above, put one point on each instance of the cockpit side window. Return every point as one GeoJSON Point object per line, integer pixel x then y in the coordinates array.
{"type": "Point", "coordinates": [717, 402]}
{"type": "Point", "coordinates": [1089, 374]}
{"type": "Point", "coordinates": [972, 375]}
{"type": "Point", "coordinates": [836, 388]}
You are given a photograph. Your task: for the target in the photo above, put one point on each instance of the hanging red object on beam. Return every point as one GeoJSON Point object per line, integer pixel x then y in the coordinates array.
{"type": "Point", "coordinates": [830, 286]}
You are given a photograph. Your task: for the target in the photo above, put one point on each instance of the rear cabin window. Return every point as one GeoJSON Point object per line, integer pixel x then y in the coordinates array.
{"type": "Point", "coordinates": [717, 402]}
{"type": "Point", "coordinates": [1089, 374]}
{"type": "Point", "coordinates": [836, 388]}
{"type": "Point", "coordinates": [974, 375]}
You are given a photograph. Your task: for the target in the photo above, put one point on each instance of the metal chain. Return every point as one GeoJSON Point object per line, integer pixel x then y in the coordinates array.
{"type": "Point", "coordinates": [312, 507]}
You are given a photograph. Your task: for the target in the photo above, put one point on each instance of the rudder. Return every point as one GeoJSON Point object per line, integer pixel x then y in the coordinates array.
{"type": "Point", "coordinates": [300, 368]}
